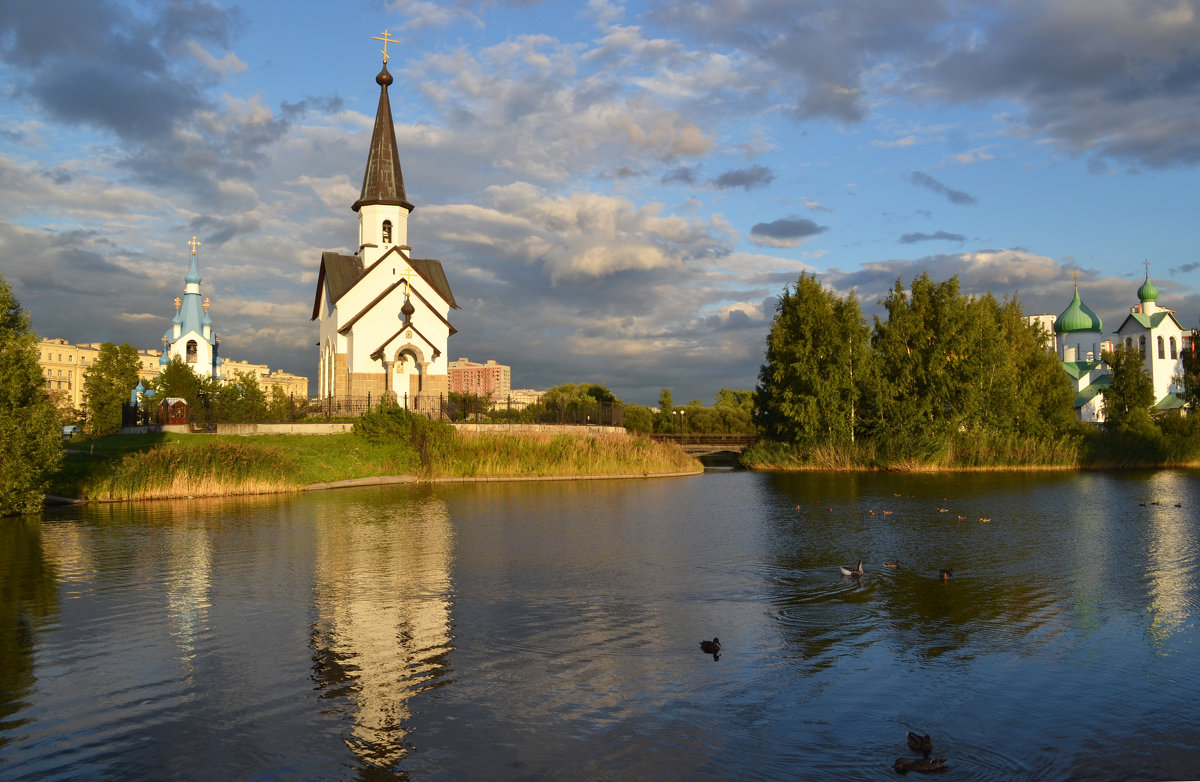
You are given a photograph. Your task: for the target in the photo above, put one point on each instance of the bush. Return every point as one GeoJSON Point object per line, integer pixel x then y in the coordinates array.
{"type": "Point", "coordinates": [391, 423]}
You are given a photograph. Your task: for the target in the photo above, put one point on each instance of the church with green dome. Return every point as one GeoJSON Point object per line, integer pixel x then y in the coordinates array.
{"type": "Point", "coordinates": [1079, 341]}
{"type": "Point", "coordinates": [1152, 330]}
{"type": "Point", "coordinates": [1155, 332]}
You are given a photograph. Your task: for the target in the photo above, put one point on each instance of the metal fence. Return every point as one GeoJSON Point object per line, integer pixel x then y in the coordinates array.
{"type": "Point", "coordinates": [202, 417]}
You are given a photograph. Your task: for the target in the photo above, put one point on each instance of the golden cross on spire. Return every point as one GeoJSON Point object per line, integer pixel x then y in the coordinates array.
{"type": "Point", "coordinates": [1075, 276]}
{"type": "Point", "coordinates": [386, 41]}
{"type": "Point", "coordinates": [194, 244]}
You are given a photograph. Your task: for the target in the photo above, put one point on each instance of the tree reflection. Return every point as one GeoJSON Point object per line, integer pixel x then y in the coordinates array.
{"type": "Point", "coordinates": [28, 595]}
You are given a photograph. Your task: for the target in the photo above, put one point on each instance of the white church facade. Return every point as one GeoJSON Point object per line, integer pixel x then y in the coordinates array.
{"type": "Point", "coordinates": [1156, 334]}
{"type": "Point", "coordinates": [383, 313]}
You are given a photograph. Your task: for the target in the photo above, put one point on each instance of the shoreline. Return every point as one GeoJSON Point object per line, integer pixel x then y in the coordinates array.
{"type": "Point", "coordinates": [383, 480]}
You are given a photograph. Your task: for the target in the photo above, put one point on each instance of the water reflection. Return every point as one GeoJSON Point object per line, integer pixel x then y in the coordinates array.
{"type": "Point", "coordinates": [310, 636]}
{"type": "Point", "coordinates": [28, 597]}
{"type": "Point", "coordinates": [383, 632]}
{"type": "Point", "coordinates": [1171, 555]}
{"type": "Point", "coordinates": [187, 586]}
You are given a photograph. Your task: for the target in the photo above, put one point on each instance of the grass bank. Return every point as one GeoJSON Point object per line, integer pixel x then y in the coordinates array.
{"type": "Point", "coordinates": [1086, 449]}
{"type": "Point", "coordinates": [138, 467]}
{"type": "Point", "coordinates": [486, 455]}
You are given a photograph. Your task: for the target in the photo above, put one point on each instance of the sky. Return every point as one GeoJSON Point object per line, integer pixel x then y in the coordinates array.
{"type": "Point", "coordinates": [618, 192]}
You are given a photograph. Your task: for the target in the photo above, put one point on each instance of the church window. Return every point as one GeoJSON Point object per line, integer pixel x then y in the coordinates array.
{"type": "Point", "coordinates": [1162, 353]}
{"type": "Point", "coordinates": [191, 351]}
{"type": "Point", "coordinates": [1142, 346]}
{"type": "Point", "coordinates": [387, 231]}
{"type": "Point", "coordinates": [1129, 343]}
{"type": "Point", "coordinates": [1174, 352]}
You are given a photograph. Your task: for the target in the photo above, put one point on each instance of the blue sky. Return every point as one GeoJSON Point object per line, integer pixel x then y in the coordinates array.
{"type": "Point", "coordinates": [618, 191]}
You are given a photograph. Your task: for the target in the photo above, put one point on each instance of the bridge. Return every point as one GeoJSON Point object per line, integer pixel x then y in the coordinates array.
{"type": "Point", "coordinates": [705, 444]}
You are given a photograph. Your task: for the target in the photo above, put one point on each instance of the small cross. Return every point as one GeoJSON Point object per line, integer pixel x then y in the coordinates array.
{"type": "Point", "coordinates": [386, 41]}
{"type": "Point", "coordinates": [194, 244]}
{"type": "Point", "coordinates": [1075, 276]}
{"type": "Point", "coordinates": [1146, 263]}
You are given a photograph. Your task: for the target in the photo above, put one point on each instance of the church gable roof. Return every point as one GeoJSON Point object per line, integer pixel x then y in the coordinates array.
{"type": "Point", "coordinates": [1092, 391]}
{"type": "Point", "coordinates": [431, 271]}
{"type": "Point", "coordinates": [381, 351]}
{"type": "Point", "coordinates": [338, 273]}
{"type": "Point", "coordinates": [1149, 322]}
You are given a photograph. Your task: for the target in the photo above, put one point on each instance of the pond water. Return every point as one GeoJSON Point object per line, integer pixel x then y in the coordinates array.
{"type": "Point", "coordinates": [551, 630]}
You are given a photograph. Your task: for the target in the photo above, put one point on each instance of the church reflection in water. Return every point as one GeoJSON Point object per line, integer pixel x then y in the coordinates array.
{"type": "Point", "coordinates": [1171, 553]}
{"type": "Point", "coordinates": [382, 633]}
{"type": "Point", "coordinates": [188, 586]}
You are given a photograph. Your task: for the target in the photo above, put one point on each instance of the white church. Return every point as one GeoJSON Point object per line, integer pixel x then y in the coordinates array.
{"type": "Point", "coordinates": [1152, 330]}
{"type": "Point", "coordinates": [383, 313]}
{"type": "Point", "coordinates": [191, 336]}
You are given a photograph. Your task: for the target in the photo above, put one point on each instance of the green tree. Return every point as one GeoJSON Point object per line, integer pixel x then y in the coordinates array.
{"type": "Point", "coordinates": [922, 386]}
{"type": "Point", "coordinates": [109, 381]}
{"type": "Point", "coordinates": [1043, 394]}
{"type": "Point", "coordinates": [468, 406]}
{"type": "Point", "coordinates": [1014, 385]}
{"type": "Point", "coordinates": [734, 412]}
{"type": "Point", "coordinates": [663, 422]}
{"type": "Point", "coordinates": [818, 353]}
{"type": "Point", "coordinates": [1128, 400]}
{"type": "Point", "coordinates": [639, 418]}
{"type": "Point", "coordinates": [241, 399]}
{"type": "Point", "coordinates": [280, 407]}
{"type": "Point", "coordinates": [176, 380]}
{"type": "Point", "coordinates": [30, 427]}
{"type": "Point", "coordinates": [572, 402]}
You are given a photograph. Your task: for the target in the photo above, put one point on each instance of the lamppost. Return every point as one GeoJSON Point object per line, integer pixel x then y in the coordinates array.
{"type": "Point", "coordinates": [682, 428]}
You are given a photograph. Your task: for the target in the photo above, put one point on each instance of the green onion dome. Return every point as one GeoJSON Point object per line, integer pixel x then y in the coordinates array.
{"type": "Point", "coordinates": [1147, 292]}
{"type": "Point", "coordinates": [1078, 317]}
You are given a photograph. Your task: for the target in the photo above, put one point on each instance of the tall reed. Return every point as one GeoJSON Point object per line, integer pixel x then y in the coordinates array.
{"type": "Point", "coordinates": [214, 468]}
{"type": "Point", "coordinates": [504, 455]}
{"type": "Point", "coordinates": [962, 451]}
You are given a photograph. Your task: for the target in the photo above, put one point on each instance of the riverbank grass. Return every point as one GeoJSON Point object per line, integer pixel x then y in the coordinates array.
{"type": "Point", "coordinates": [130, 467]}
{"type": "Point", "coordinates": [139, 467]}
{"type": "Point", "coordinates": [966, 451]}
{"type": "Point", "coordinates": [486, 455]}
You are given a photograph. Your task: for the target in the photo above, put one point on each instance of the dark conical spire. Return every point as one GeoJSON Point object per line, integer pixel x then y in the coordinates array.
{"type": "Point", "coordinates": [383, 182]}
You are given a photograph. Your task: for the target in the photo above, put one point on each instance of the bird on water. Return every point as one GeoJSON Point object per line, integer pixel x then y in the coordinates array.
{"type": "Point", "coordinates": [919, 743]}
{"type": "Point", "coordinates": [851, 571]}
{"type": "Point", "coordinates": [924, 765]}
{"type": "Point", "coordinates": [712, 647]}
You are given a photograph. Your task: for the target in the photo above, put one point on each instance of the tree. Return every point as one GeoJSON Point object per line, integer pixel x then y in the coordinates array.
{"type": "Point", "coordinates": [734, 412]}
{"type": "Point", "coordinates": [663, 423]}
{"type": "Point", "coordinates": [639, 418]}
{"type": "Point", "coordinates": [177, 381]}
{"type": "Point", "coordinates": [817, 352]}
{"type": "Point", "coordinates": [1128, 400]}
{"type": "Point", "coordinates": [30, 428]}
{"type": "Point", "coordinates": [241, 399]}
{"type": "Point", "coordinates": [922, 388]}
{"type": "Point", "coordinates": [107, 386]}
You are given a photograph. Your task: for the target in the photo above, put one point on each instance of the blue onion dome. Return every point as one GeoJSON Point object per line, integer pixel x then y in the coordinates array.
{"type": "Point", "coordinates": [1077, 317]}
{"type": "Point", "coordinates": [1147, 292]}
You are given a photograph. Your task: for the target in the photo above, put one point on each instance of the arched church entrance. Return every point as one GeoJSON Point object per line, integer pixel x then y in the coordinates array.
{"type": "Point", "coordinates": [407, 370]}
